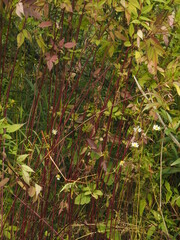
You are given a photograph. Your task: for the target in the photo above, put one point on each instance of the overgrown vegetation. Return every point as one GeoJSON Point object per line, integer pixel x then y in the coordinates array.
{"type": "Point", "coordinates": [89, 127]}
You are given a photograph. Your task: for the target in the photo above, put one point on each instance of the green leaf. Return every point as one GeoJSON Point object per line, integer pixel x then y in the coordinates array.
{"type": "Point", "coordinates": [95, 196]}
{"type": "Point", "coordinates": [111, 51]}
{"type": "Point", "coordinates": [22, 157]}
{"type": "Point", "coordinates": [20, 39]}
{"type": "Point", "coordinates": [13, 128]}
{"type": "Point", "coordinates": [109, 180]}
{"type": "Point", "coordinates": [146, 9]}
{"type": "Point", "coordinates": [177, 86]}
{"type": "Point", "coordinates": [176, 162]}
{"type": "Point", "coordinates": [87, 193]}
{"type": "Point", "coordinates": [167, 185]}
{"type": "Point", "coordinates": [135, 4]}
{"type": "Point", "coordinates": [178, 201]}
{"type": "Point", "coordinates": [27, 35]}
{"type": "Point", "coordinates": [157, 216]}
{"type": "Point", "coordinates": [67, 186]}
{"type": "Point", "coordinates": [81, 199]}
{"type": "Point", "coordinates": [131, 29]}
{"type": "Point", "coordinates": [101, 227]}
{"type": "Point", "coordinates": [109, 104]}
{"type": "Point", "coordinates": [7, 136]}
{"type": "Point", "coordinates": [98, 192]}
{"type": "Point", "coordinates": [26, 176]}
{"type": "Point", "coordinates": [26, 168]}
{"type": "Point", "coordinates": [168, 196]}
{"type": "Point", "coordinates": [151, 105]}
{"type": "Point", "coordinates": [142, 207]}
{"type": "Point", "coordinates": [127, 44]}
{"type": "Point", "coordinates": [150, 232]}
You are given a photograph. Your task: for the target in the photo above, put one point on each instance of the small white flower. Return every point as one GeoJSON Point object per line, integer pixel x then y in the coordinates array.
{"type": "Point", "coordinates": [156, 128]}
{"type": "Point", "coordinates": [101, 139]}
{"type": "Point", "coordinates": [135, 144]}
{"type": "Point", "coordinates": [137, 129]}
{"type": "Point", "coordinates": [54, 131]}
{"type": "Point", "coordinates": [122, 163]}
{"type": "Point", "coordinates": [58, 177]}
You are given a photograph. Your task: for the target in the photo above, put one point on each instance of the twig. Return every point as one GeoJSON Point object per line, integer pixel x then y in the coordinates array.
{"type": "Point", "coordinates": [158, 115]}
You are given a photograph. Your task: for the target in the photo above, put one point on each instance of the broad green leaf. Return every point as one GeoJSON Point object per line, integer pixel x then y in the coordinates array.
{"type": "Point", "coordinates": [145, 19]}
{"type": "Point", "coordinates": [22, 157]}
{"type": "Point", "coordinates": [27, 35]}
{"type": "Point", "coordinates": [131, 29]}
{"type": "Point", "coordinates": [7, 136]}
{"type": "Point", "coordinates": [26, 168]}
{"type": "Point", "coordinates": [20, 39]}
{"type": "Point", "coordinates": [178, 201]}
{"type": "Point", "coordinates": [167, 185]}
{"type": "Point", "coordinates": [115, 109]}
{"type": "Point", "coordinates": [157, 216]}
{"type": "Point", "coordinates": [26, 177]}
{"type": "Point", "coordinates": [7, 234]}
{"type": "Point", "coordinates": [95, 195]}
{"type": "Point", "coordinates": [118, 113]}
{"type": "Point", "coordinates": [142, 207]}
{"type": "Point", "coordinates": [13, 128]}
{"type": "Point", "coordinates": [109, 180]}
{"type": "Point", "coordinates": [127, 44]}
{"type": "Point", "coordinates": [151, 105]}
{"type": "Point", "coordinates": [150, 232]}
{"type": "Point", "coordinates": [168, 196]}
{"type": "Point", "coordinates": [87, 193]}
{"type": "Point", "coordinates": [111, 51]}
{"type": "Point", "coordinates": [176, 162]}
{"type": "Point", "coordinates": [135, 3]}
{"type": "Point", "coordinates": [98, 192]}
{"type": "Point", "coordinates": [137, 56]}
{"type": "Point", "coordinates": [41, 43]}
{"type": "Point", "coordinates": [146, 9]}
{"type": "Point", "coordinates": [109, 104]}
{"type": "Point", "coordinates": [119, 9]}
{"type": "Point", "coordinates": [81, 199]}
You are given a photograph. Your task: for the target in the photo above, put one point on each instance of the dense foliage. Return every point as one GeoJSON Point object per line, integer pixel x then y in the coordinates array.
{"type": "Point", "coordinates": [89, 119]}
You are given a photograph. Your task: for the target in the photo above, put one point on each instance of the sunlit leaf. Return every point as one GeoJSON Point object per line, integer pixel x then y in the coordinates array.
{"type": "Point", "coordinates": [26, 168]}
{"type": "Point", "coordinates": [20, 39]}
{"type": "Point", "coordinates": [13, 128]}
{"type": "Point", "coordinates": [22, 157]}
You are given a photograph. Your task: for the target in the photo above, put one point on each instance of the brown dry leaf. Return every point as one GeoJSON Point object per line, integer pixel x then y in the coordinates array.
{"type": "Point", "coordinates": [31, 191]}
{"type": "Point", "coordinates": [45, 24]}
{"type": "Point", "coordinates": [3, 182]}
{"type": "Point", "coordinates": [69, 45]}
{"type": "Point", "coordinates": [153, 114]}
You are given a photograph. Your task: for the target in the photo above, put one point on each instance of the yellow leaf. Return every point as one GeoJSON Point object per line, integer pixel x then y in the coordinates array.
{"type": "Point", "coordinates": [177, 86]}
{"type": "Point", "coordinates": [20, 39]}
